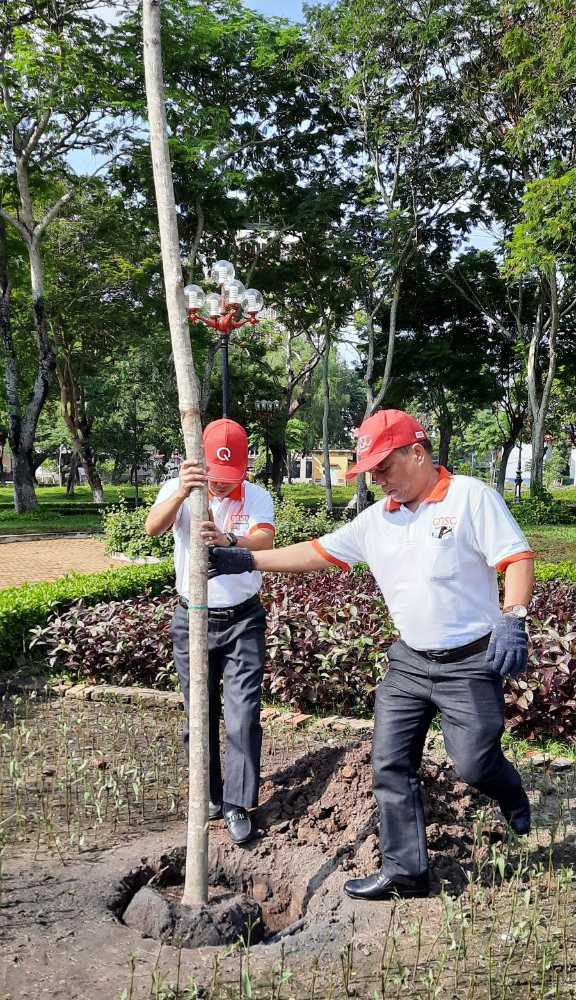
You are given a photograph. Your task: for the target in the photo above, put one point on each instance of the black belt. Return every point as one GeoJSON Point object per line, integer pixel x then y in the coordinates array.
{"type": "Point", "coordinates": [225, 614]}
{"type": "Point", "coordinates": [459, 653]}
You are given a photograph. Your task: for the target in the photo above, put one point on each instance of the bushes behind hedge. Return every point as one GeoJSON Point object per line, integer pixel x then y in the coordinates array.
{"type": "Point", "coordinates": [30, 605]}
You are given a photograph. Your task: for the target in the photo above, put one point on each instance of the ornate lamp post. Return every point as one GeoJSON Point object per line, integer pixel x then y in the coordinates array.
{"type": "Point", "coordinates": [518, 479]}
{"type": "Point", "coordinates": [267, 407]}
{"type": "Point", "coordinates": [222, 309]}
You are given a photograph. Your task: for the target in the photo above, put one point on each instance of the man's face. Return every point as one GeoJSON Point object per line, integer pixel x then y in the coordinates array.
{"type": "Point", "coordinates": [398, 476]}
{"type": "Point", "coordinates": [221, 490]}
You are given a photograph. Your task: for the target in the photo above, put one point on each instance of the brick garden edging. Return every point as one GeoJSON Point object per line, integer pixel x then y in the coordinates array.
{"type": "Point", "coordinates": [149, 697]}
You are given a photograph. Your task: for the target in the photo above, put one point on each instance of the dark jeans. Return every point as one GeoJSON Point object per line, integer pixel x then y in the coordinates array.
{"type": "Point", "coordinates": [235, 656]}
{"type": "Point", "coordinates": [468, 695]}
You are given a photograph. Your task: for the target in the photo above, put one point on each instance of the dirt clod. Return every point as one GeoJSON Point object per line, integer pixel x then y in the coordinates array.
{"type": "Point", "coordinates": [223, 920]}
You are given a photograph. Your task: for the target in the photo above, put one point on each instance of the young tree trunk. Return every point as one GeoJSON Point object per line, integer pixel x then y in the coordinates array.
{"type": "Point", "coordinates": [196, 880]}
{"type": "Point", "coordinates": [325, 417]}
{"type": "Point", "coordinates": [538, 394]}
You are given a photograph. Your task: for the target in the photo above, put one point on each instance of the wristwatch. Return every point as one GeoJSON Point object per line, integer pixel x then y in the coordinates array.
{"type": "Point", "coordinates": [515, 611]}
{"type": "Point", "coordinates": [232, 538]}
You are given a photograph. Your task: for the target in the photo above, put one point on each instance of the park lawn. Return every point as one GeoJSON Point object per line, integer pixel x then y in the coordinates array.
{"type": "Point", "coordinates": [552, 542]}
{"type": "Point", "coordinates": [57, 494]}
{"type": "Point", "coordinates": [36, 522]}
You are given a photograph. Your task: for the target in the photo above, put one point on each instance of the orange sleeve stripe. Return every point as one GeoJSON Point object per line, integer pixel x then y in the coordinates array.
{"type": "Point", "coordinates": [257, 527]}
{"type": "Point", "coordinates": [326, 555]}
{"type": "Point", "coordinates": [512, 559]}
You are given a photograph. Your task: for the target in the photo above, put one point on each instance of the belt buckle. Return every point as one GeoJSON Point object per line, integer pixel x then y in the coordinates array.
{"type": "Point", "coordinates": [439, 655]}
{"type": "Point", "coordinates": [222, 615]}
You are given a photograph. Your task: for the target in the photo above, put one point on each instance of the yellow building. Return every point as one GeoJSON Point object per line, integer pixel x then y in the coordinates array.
{"type": "Point", "coordinates": [310, 468]}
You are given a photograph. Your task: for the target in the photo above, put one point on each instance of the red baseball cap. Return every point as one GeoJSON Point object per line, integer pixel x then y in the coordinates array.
{"type": "Point", "coordinates": [380, 435]}
{"type": "Point", "coordinates": [226, 451]}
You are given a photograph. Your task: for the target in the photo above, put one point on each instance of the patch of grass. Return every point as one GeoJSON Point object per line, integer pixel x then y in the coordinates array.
{"type": "Point", "coordinates": [36, 522]}
{"type": "Point", "coordinates": [553, 542]}
{"type": "Point", "coordinates": [57, 494]}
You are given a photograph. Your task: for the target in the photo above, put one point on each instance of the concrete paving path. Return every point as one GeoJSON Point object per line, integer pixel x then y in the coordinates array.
{"type": "Point", "coordinates": [34, 562]}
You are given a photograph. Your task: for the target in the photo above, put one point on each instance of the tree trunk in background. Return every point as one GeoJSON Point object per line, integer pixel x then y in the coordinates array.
{"type": "Point", "coordinates": [445, 426]}
{"type": "Point", "coordinates": [196, 879]}
{"type": "Point", "coordinates": [72, 474]}
{"type": "Point", "coordinates": [279, 461]}
{"type": "Point", "coordinates": [325, 418]}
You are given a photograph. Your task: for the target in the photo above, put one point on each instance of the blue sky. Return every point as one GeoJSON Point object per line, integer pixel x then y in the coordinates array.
{"type": "Point", "coordinates": [277, 8]}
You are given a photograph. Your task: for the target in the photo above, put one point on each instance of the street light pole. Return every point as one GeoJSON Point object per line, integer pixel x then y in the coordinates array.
{"type": "Point", "coordinates": [135, 449]}
{"type": "Point", "coordinates": [518, 479]}
{"type": "Point", "coordinates": [267, 407]}
{"type": "Point", "coordinates": [222, 309]}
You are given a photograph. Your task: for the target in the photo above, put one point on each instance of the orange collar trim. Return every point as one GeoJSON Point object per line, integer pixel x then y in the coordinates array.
{"type": "Point", "coordinates": [236, 494]}
{"type": "Point", "coordinates": [438, 492]}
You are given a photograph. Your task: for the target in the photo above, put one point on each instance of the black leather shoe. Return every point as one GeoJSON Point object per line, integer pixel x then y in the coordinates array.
{"type": "Point", "coordinates": [238, 823]}
{"type": "Point", "coordinates": [383, 886]}
{"type": "Point", "coordinates": [214, 810]}
{"type": "Point", "coordinates": [518, 819]}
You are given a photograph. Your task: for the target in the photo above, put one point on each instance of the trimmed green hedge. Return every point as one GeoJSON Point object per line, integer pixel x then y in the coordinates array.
{"type": "Point", "coordinates": [25, 607]}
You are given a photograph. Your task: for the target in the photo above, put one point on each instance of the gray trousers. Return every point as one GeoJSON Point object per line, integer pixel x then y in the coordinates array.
{"type": "Point", "coordinates": [469, 696]}
{"type": "Point", "coordinates": [236, 657]}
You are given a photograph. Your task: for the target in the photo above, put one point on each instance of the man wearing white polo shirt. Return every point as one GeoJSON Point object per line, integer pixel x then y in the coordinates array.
{"type": "Point", "coordinates": [242, 515]}
{"type": "Point", "coordinates": [435, 544]}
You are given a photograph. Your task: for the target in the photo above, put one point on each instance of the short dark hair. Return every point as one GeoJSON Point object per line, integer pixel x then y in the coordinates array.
{"type": "Point", "coordinates": [424, 442]}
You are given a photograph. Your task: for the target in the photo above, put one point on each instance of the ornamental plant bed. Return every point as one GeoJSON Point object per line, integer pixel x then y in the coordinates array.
{"type": "Point", "coordinates": [326, 648]}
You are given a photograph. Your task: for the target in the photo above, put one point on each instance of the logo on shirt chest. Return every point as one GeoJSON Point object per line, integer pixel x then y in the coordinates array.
{"type": "Point", "coordinates": [443, 527]}
{"type": "Point", "coordinates": [240, 520]}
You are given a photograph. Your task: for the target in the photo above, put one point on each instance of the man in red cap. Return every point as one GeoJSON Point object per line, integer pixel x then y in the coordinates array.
{"type": "Point", "coordinates": [435, 544]}
{"type": "Point", "coordinates": [241, 516]}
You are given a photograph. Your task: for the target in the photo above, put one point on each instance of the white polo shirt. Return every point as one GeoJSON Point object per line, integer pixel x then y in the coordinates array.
{"type": "Point", "coordinates": [248, 508]}
{"type": "Point", "coordinates": [437, 565]}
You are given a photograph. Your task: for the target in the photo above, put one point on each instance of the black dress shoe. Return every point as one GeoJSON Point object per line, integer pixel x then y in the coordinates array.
{"type": "Point", "coordinates": [238, 823]}
{"type": "Point", "coordinates": [518, 819]}
{"type": "Point", "coordinates": [214, 810]}
{"type": "Point", "coordinates": [384, 886]}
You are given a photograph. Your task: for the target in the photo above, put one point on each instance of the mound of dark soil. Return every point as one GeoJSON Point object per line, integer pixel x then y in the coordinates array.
{"type": "Point", "coordinates": [318, 825]}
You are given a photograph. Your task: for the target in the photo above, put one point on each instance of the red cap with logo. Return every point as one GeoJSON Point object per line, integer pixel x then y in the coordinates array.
{"type": "Point", "coordinates": [226, 451]}
{"type": "Point", "coordinates": [380, 435]}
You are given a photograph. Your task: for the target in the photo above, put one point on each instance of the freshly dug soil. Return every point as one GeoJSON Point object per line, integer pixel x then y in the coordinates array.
{"type": "Point", "coordinates": [317, 821]}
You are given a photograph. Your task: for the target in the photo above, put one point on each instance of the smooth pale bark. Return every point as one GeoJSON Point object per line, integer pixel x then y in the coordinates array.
{"type": "Point", "coordinates": [196, 881]}
{"type": "Point", "coordinates": [538, 391]}
{"type": "Point", "coordinates": [325, 416]}
{"type": "Point", "coordinates": [373, 402]}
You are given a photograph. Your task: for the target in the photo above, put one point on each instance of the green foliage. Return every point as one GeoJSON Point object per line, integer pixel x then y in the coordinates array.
{"type": "Point", "coordinates": [27, 607]}
{"type": "Point", "coordinates": [564, 572]}
{"type": "Point", "coordinates": [540, 508]}
{"type": "Point", "coordinates": [124, 532]}
{"type": "Point", "coordinates": [295, 524]}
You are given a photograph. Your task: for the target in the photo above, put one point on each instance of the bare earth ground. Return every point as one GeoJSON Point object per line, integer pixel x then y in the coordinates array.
{"type": "Point", "coordinates": [34, 562]}
{"type": "Point", "coordinates": [88, 791]}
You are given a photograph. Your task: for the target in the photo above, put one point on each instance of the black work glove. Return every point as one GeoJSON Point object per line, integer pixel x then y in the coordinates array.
{"type": "Point", "coordinates": [226, 560]}
{"type": "Point", "coordinates": [508, 648]}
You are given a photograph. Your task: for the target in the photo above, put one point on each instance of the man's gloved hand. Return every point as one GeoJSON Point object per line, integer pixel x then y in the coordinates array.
{"type": "Point", "coordinates": [508, 648]}
{"type": "Point", "coordinates": [226, 560]}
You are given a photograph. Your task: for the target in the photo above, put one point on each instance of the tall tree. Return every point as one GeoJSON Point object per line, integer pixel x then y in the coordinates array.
{"type": "Point", "coordinates": [516, 98]}
{"type": "Point", "coordinates": [45, 50]}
